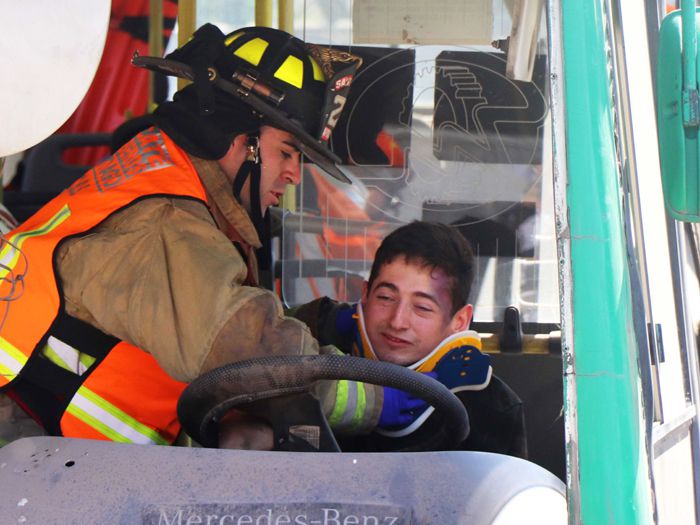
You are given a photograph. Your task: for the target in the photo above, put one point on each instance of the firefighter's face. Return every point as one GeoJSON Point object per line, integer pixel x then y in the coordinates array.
{"type": "Point", "coordinates": [281, 165]}
{"type": "Point", "coordinates": [407, 311]}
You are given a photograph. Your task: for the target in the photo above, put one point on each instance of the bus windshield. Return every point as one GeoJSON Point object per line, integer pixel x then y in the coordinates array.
{"type": "Point", "coordinates": [433, 132]}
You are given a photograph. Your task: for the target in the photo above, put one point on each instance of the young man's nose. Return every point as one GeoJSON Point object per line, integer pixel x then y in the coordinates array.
{"type": "Point", "coordinates": [399, 316]}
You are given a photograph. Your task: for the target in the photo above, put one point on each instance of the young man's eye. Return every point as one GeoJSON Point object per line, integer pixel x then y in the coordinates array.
{"type": "Point", "coordinates": [424, 308]}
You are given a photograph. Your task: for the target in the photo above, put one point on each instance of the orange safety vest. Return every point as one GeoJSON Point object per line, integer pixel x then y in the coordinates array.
{"type": "Point", "coordinates": [117, 392]}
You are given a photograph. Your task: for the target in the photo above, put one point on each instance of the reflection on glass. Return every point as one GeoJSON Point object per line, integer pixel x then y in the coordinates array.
{"type": "Point", "coordinates": [440, 135]}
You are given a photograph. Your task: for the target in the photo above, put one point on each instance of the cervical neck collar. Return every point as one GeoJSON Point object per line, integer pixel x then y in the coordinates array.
{"type": "Point", "coordinates": [457, 362]}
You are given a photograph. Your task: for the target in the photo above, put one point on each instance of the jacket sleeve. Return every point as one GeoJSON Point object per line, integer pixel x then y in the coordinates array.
{"type": "Point", "coordinates": [351, 407]}
{"type": "Point", "coordinates": [321, 317]}
{"type": "Point", "coordinates": [161, 276]}
{"type": "Point", "coordinates": [497, 420]}
{"type": "Point", "coordinates": [348, 405]}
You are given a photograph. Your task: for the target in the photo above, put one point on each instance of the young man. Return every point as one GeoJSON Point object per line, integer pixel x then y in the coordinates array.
{"type": "Point", "coordinates": [414, 310]}
{"type": "Point", "coordinates": [142, 275]}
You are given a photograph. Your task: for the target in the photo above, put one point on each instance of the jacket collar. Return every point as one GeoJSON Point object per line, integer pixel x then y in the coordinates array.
{"type": "Point", "coordinates": [231, 217]}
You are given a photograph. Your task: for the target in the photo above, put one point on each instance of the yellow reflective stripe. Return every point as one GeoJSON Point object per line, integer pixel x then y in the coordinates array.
{"type": "Point", "coordinates": [318, 72]}
{"type": "Point", "coordinates": [291, 71]}
{"type": "Point", "coordinates": [341, 402]}
{"type": "Point", "coordinates": [360, 406]}
{"type": "Point", "coordinates": [233, 37]}
{"type": "Point", "coordinates": [7, 374]}
{"type": "Point", "coordinates": [9, 255]}
{"type": "Point", "coordinates": [252, 51]}
{"type": "Point", "coordinates": [56, 359]}
{"type": "Point", "coordinates": [67, 357]}
{"type": "Point", "coordinates": [86, 361]}
{"type": "Point", "coordinates": [350, 406]}
{"type": "Point", "coordinates": [109, 420]}
{"type": "Point", "coordinates": [11, 359]}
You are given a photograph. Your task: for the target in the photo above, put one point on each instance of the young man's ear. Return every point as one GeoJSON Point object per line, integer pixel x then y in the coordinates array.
{"type": "Point", "coordinates": [462, 318]}
{"type": "Point", "coordinates": [365, 293]}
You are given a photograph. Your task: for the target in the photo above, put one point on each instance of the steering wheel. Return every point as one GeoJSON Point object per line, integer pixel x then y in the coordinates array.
{"type": "Point", "coordinates": [278, 388]}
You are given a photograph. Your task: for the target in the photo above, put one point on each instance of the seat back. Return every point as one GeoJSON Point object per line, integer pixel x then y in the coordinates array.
{"type": "Point", "coordinates": [44, 169]}
{"type": "Point", "coordinates": [538, 380]}
{"type": "Point", "coordinates": [44, 174]}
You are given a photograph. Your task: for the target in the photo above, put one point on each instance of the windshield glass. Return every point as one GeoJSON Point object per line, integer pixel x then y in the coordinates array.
{"type": "Point", "coordinates": [434, 129]}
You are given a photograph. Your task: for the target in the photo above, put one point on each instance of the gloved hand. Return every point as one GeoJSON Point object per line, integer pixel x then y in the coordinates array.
{"type": "Point", "coordinates": [400, 408]}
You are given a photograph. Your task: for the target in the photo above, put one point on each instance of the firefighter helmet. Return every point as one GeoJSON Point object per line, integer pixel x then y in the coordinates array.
{"type": "Point", "coordinates": [286, 83]}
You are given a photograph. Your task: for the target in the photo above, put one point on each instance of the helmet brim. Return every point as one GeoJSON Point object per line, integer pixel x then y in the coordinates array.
{"type": "Point", "coordinates": [324, 159]}
{"type": "Point", "coordinates": [316, 151]}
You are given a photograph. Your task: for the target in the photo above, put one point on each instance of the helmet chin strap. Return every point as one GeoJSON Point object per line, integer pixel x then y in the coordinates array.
{"type": "Point", "coordinates": [251, 168]}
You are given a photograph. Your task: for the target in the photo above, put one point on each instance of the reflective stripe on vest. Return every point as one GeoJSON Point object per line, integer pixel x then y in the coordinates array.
{"type": "Point", "coordinates": [107, 419]}
{"type": "Point", "coordinates": [127, 396]}
{"type": "Point", "coordinates": [350, 405]}
{"type": "Point", "coordinates": [66, 356]}
{"type": "Point", "coordinates": [93, 410]}
{"type": "Point", "coordinates": [11, 360]}
{"type": "Point", "coordinates": [12, 249]}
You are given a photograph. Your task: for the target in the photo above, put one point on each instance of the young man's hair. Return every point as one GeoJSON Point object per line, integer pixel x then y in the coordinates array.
{"type": "Point", "coordinates": [432, 245]}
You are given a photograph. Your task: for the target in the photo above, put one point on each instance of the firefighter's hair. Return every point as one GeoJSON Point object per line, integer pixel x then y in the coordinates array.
{"type": "Point", "coordinates": [432, 245]}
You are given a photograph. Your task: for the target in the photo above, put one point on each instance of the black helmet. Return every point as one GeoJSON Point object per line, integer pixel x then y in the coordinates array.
{"type": "Point", "coordinates": [283, 82]}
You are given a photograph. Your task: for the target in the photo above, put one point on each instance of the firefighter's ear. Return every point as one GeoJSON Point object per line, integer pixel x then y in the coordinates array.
{"type": "Point", "coordinates": [234, 157]}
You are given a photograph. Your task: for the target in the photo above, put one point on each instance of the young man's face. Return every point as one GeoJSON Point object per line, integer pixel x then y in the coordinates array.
{"type": "Point", "coordinates": [281, 165]}
{"type": "Point", "coordinates": [408, 311]}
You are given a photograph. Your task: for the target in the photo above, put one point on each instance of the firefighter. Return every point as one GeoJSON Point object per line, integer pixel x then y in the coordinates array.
{"type": "Point", "coordinates": [142, 275]}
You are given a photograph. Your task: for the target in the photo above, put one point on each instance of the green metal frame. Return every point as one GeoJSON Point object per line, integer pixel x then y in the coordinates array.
{"type": "Point", "coordinates": [611, 447]}
{"type": "Point", "coordinates": [679, 113]}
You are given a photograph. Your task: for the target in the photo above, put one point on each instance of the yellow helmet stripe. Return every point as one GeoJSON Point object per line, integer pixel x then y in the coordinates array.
{"type": "Point", "coordinates": [232, 38]}
{"type": "Point", "coordinates": [291, 71]}
{"type": "Point", "coordinates": [252, 51]}
{"type": "Point", "coordinates": [318, 72]}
